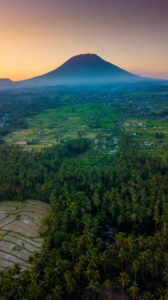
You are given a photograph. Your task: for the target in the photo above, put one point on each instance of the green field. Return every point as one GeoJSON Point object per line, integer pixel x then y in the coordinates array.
{"type": "Point", "coordinates": [65, 123]}
{"type": "Point", "coordinates": [91, 120]}
{"type": "Point", "coordinates": [101, 116]}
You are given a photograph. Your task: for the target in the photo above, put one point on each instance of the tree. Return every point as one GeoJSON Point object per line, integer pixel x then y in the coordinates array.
{"type": "Point", "coordinates": [134, 290]}
{"type": "Point", "coordinates": [124, 281]}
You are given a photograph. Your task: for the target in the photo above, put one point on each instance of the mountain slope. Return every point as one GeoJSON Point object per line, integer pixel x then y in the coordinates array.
{"type": "Point", "coordinates": [84, 69]}
{"type": "Point", "coordinates": [6, 83]}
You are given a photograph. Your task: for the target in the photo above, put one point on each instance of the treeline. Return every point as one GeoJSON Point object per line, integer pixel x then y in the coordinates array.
{"type": "Point", "coordinates": [80, 256]}
{"type": "Point", "coordinates": [26, 174]}
{"type": "Point", "coordinates": [19, 110]}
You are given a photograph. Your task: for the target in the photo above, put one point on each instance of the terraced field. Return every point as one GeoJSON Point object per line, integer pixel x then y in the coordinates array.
{"type": "Point", "coordinates": [19, 231]}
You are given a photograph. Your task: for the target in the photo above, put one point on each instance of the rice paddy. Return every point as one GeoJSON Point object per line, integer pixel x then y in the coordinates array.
{"type": "Point", "coordinates": [19, 231]}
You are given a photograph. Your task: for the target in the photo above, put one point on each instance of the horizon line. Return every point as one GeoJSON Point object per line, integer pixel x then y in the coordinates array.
{"type": "Point", "coordinates": [154, 75]}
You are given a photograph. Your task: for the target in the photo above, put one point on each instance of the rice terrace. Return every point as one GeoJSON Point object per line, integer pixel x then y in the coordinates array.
{"type": "Point", "coordinates": [19, 231]}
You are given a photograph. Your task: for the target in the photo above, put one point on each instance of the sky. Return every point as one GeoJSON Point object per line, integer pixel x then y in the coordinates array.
{"type": "Point", "coordinates": [37, 36]}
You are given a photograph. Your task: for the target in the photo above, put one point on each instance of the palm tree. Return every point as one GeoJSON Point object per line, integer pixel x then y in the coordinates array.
{"type": "Point", "coordinates": [134, 290]}
{"type": "Point", "coordinates": [56, 293]}
{"type": "Point", "coordinates": [135, 267]}
{"type": "Point", "coordinates": [124, 281]}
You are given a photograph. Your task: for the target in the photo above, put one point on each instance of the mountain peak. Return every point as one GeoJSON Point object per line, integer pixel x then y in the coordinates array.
{"type": "Point", "coordinates": [88, 57]}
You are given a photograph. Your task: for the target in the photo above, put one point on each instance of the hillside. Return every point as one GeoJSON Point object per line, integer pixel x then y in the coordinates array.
{"type": "Point", "coordinates": [5, 83]}
{"type": "Point", "coordinates": [84, 69]}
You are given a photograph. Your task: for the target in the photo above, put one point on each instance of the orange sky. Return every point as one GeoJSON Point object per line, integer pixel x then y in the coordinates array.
{"type": "Point", "coordinates": [36, 36]}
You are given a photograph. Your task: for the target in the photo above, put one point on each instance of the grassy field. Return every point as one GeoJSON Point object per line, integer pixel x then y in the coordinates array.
{"type": "Point", "coordinates": [65, 123]}
{"type": "Point", "coordinates": [150, 135]}
{"type": "Point", "coordinates": [94, 118]}
{"type": "Point", "coordinates": [19, 231]}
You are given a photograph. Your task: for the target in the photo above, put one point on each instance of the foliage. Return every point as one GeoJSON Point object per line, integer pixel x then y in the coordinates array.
{"type": "Point", "coordinates": [129, 195]}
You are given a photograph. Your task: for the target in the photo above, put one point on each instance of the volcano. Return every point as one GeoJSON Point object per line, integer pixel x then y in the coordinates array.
{"type": "Point", "coordinates": [83, 69]}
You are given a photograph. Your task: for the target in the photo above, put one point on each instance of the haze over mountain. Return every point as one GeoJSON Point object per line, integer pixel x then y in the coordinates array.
{"type": "Point", "coordinates": [83, 69]}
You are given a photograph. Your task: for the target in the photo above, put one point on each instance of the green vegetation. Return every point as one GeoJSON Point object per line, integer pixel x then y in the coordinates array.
{"type": "Point", "coordinates": [43, 118]}
{"type": "Point", "coordinates": [80, 256]}
{"type": "Point", "coordinates": [105, 176]}
{"type": "Point", "coordinates": [67, 122]}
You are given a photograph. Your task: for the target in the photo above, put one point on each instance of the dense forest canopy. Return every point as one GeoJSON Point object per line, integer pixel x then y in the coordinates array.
{"type": "Point", "coordinates": [108, 223]}
{"type": "Point", "coordinates": [107, 227]}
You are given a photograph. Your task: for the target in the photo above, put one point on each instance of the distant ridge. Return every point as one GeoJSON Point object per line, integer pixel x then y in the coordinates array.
{"type": "Point", "coordinates": [83, 69]}
{"type": "Point", "coordinates": [6, 83]}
